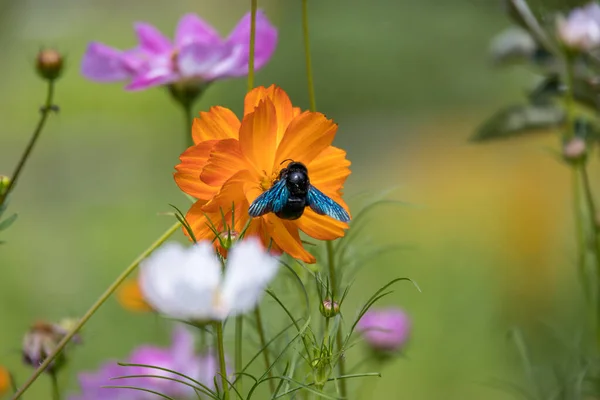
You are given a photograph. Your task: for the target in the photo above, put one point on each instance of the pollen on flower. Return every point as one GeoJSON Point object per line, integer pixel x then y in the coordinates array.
{"type": "Point", "coordinates": [267, 181]}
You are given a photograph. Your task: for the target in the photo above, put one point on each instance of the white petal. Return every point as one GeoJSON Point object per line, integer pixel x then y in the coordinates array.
{"type": "Point", "coordinates": [248, 272]}
{"type": "Point", "coordinates": [181, 282]}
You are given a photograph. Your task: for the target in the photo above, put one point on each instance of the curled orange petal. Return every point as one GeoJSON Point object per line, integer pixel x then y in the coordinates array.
{"type": "Point", "coordinates": [193, 161]}
{"type": "Point", "coordinates": [283, 106]}
{"type": "Point", "coordinates": [130, 297]}
{"type": "Point", "coordinates": [218, 123]}
{"type": "Point", "coordinates": [225, 160]}
{"type": "Point", "coordinates": [320, 227]}
{"type": "Point", "coordinates": [257, 136]}
{"type": "Point", "coordinates": [307, 135]}
{"type": "Point", "coordinates": [286, 235]}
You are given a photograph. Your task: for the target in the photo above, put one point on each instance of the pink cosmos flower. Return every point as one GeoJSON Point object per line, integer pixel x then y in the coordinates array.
{"type": "Point", "coordinates": [198, 53]}
{"type": "Point", "coordinates": [180, 357]}
{"type": "Point", "coordinates": [385, 330]}
{"type": "Point", "coordinates": [580, 30]}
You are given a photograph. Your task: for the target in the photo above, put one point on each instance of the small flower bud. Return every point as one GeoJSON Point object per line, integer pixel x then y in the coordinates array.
{"type": "Point", "coordinates": [385, 331]}
{"type": "Point", "coordinates": [4, 182]}
{"type": "Point", "coordinates": [5, 380]}
{"type": "Point", "coordinates": [187, 91]}
{"type": "Point", "coordinates": [574, 149]}
{"type": "Point", "coordinates": [41, 341]}
{"type": "Point", "coordinates": [329, 308]}
{"type": "Point", "coordinates": [49, 64]}
{"type": "Point", "coordinates": [228, 239]}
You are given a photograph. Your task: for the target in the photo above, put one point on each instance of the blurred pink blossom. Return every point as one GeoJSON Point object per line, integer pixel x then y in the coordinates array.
{"type": "Point", "coordinates": [580, 30]}
{"type": "Point", "coordinates": [198, 53]}
{"type": "Point", "coordinates": [385, 330]}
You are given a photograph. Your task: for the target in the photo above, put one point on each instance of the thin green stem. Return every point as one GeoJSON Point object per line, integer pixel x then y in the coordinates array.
{"type": "Point", "coordinates": [309, 72]}
{"type": "Point", "coordinates": [338, 337]}
{"type": "Point", "coordinates": [111, 289]}
{"type": "Point", "coordinates": [253, 10]}
{"type": "Point", "coordinates": [13, 382]}
{"type": "Point", "coordinates": [239, 329]}
{"type": "Point", "coordinates": [46, 109]}
{"type": "Point", "coordinates": [223, 367]}
{"type": "Point", "coordinates": [189, 121]}
{"type": "Point", "coordinates": [263, 345]}
{"type": "Point", "coordinates": [55, 388]}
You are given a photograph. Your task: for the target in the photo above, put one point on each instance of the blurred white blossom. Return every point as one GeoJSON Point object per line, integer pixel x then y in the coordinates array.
{"type": "Point", "coordinates": [580, 30]}
{"type": "Point", "coordinates": [188, 282]}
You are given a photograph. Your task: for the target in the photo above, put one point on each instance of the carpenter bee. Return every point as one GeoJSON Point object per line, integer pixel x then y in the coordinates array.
{"type": "Point", "coordinates": [291, 193]}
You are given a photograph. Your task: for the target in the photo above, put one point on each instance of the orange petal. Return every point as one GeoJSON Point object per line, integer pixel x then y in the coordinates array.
{"type": "Point", "coordinates": [4, 381]}
{"type": "Point", "coordinates": [283, 106]}
{"type": "Point", "coordinates": [196, 218]}
{"type": "Point", "coordinates": [308, 135]}
{"type": "Point", "coordinates": [217, 123]}
{"type": "Point", "coordinates": [130, 297]}
{"type": "Point", "coordinates": [225, 160]}
{"type": "Point", "coordinates": [320, 227]}
{"type": "Point", "coordinates": [232, 192]}
{"type": "Point", "coordinates": [286, 235]}
{"type": "Point", "coordinates": [257, 136]}
{"type": "Point", "coordinates": [329, 170]}
{"type": "Point", "coordinates": [188, 172]}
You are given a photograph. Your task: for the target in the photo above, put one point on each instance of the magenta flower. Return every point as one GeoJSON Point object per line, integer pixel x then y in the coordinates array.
{"type": "Point", "coordinates": [385, 330]}
{"type": "Point", "coordinates": [180, 357]}
{"type": "Point", "coordinates": [198, 54]}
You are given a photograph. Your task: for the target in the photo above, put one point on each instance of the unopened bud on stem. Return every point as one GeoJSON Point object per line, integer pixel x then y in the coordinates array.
{"type": "Point", "coordinates": [329, 308]}
{"type": "Point", "coordinates": [49, 64]}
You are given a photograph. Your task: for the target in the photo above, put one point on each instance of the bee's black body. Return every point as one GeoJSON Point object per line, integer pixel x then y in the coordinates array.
{"type": "Point", "coordinates": [297, 183]}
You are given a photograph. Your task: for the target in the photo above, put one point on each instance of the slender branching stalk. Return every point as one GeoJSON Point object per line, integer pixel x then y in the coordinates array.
{"type": "Point", "coordinates": [45, 111]}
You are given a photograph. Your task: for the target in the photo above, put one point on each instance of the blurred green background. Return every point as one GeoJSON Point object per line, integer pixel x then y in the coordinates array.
{"type": "Point", "coordinates": [407, 81]}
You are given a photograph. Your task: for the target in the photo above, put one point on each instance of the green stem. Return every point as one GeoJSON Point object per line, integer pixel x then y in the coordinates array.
{"type": "Point", "coordinates": [263, 345]}
{"type": "Point", "coordinates": [338, 337]}
{"type": "Point", "coordinates": [239, 328]}
{"type": "Point", "coordinates": [253, 10]}
{"type": "Point", "coordinates": [55, 389]}
{"type": "Point", "coordinates": [309, 73]}
{"type": "Point", "coordinates": [189, 121]}
{"type": "Point", "coordinates": [111, 289]}
{"type": "Point", "coordinates": [45, 111]}
{"type": "Point", "coordinates": [223, 367]}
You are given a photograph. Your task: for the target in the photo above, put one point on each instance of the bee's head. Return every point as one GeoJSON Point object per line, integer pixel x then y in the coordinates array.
{"type": "Point", "coordinates": [295, 166]}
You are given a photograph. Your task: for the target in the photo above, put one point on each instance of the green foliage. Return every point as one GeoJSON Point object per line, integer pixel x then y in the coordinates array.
{"type": "Point", "coordinates": [519, 120]}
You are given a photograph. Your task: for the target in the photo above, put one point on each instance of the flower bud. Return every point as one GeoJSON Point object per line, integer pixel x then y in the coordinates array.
{"type": "Point", "coordinates": [4, 182]}
{"type": "Point", "coordinates": [329, 308]}
{"type": "Point", "coordinates": [5, 380]}
{"type": "Point", "coordinates": [574, 149]}
{"type": "Point", "coordinates": [42, 339]}
{"type": "Point", "coordinates": [580, 30]}
{"type": "Point", "coordinates": [385, 330]}
{"type": "Point", "coordinates": [49, 64]}
{"type": "Point", "coordinates": [228, 239]}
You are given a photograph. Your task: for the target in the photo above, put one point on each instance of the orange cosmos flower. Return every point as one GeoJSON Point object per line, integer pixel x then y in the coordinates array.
{"type": "Point", "coordinates": [4, 380]}
{"type": "Point", "coordinates": [233, 162]}
{"type": "Point", "coordinates": [130, 297]}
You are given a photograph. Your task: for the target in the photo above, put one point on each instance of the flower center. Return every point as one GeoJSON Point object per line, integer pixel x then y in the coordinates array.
{"type": "Point", "coordinates": [268, 180]}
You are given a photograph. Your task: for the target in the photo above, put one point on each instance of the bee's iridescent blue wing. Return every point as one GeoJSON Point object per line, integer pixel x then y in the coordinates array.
{"type": "Point", "coordinates": [323, 205]}
{"type": "Point", "coordinates": [272, 200]}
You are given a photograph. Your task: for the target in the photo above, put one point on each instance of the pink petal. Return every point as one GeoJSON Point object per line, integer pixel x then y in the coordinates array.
{"type": "Point", "coordinates": [203, 60]}
{"type": "Point", "coordinates": [151, 39]}
{"type": "Point", "coordinates": [266, 41]}
{"type": "Point", "coordinates": [192, 29]}
{"type": "Point", "coordinates": [102, 63]}
{"type": "Point", "coordinates": [153, 77]}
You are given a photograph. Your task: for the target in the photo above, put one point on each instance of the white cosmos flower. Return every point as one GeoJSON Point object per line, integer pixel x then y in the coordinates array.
{"type": "Point", "coordinates": [188, 282]}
